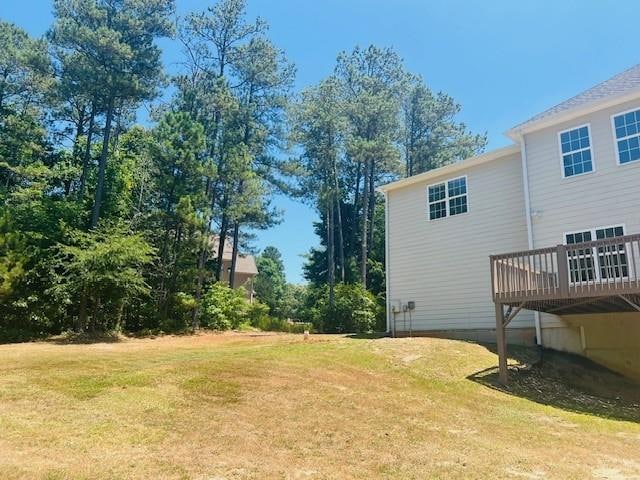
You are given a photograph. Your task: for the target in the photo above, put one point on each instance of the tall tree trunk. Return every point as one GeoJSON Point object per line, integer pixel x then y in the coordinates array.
{"type": "Point", "coordinates": [175, 269]}
{"type": "Point", "coordinates": [202, 260]}
{"type": "Point", "coordinates": [365, 221]}
{"type": "Point", "coordinates": [337, 196]}
{"type": "Point", "coordinates": [119, 316]}
{"type": "Point", "coordinates": [234, 254]}
{"type": "Point", "coordinates": [210, 193]}
{"type": "Point", "coordinates": [236, 228]}
{"type": "Point", "coordinates": [82, 314]}
{"type": "Point", "coordinates": [87, 151]}
{"type": "Point", "coordinates": [82, 115]}
{"type": "Point", "coordinates": [97, 203]}
{"type": "Point", "coordinates": [372, 205]}
{"type": "Point", "coordinates": [221, 240]}
{"type": "Point", "coordinates": [356, 199]}
{"type": "Point", "coordinates": [236, 234]}
{"type": "Point", "coordinates": [331, 267]}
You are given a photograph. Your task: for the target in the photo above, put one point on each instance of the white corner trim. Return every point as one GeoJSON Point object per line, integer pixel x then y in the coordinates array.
{"type": "Point", "coordinates": [387, 261]}
{"type": "Point", "coordinates": [527, 207]}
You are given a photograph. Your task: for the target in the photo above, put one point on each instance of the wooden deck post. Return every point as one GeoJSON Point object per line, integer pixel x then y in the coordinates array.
{"type": "Point", "coordinates": [563, 270]}
{"type": "Point", "coordinates": [501, 340]}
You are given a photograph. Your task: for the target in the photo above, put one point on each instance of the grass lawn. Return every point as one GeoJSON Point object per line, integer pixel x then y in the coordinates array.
{"type": "Point", "coordinates": [274, 406]}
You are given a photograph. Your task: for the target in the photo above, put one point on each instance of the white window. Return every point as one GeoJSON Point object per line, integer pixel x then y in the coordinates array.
{"type": "Point", "coordinates": [575, 149]}
{"type": "Point", "coordinates": [448, 198]}
{"type": "Point", "coordinates": [627, 132]}
{"type": "Point", "coordinates": [601, 263]}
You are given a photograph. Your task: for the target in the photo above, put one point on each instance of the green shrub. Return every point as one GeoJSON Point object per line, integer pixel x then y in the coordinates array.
{"type": "Point", "coordinates": [270, 324]}
{"type": "Point", "coordinates": [183, 308]}
{"type": "Point", "coordinates": [355, 309]}
{"type": "Point", "coordinates": [257, 313]}
{"type": "Point", "coordinates": [259, 318]}
{"type": "Point", "coordinates": [223, 307]}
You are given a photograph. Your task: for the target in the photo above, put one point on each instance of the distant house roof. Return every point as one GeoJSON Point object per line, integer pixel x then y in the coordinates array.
{"type": "Point", "coordinates": [618, 86]}
{"type": "Point", "coordinates": [245, 263]}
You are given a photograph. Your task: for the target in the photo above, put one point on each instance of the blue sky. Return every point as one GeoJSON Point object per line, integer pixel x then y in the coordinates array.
{"type": "Point", "coordinates": [503, 60]}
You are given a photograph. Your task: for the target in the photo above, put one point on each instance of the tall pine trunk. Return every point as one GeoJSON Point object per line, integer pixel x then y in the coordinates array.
{"type": "Point", "coordinates": [82, 115]}
{"type": "Point", "coordinates": [372, 206]}
{"type": "Point", "coordinates": [82, 314]}
{"type": "Point", "coordinates": [234, 254]}
{"type": "Point", "coordinates": [210, 193]}
{"type": "Point", "coordinates": [87, 152]}
{"type": "Point", "coordinates": [236, 228]}
{"type": "Point", "coordinates": [202, 260]}
{"type": "Point", "coordinates": [331, 267]}
{"type": "Point", "coordinates": [221, 240]}
{"type": "Point", "coordinates": [356, 199]}
{"type": "Point", "coordinates": [337, 196]}
{"type": "Point", "coordinates": [236, 235]}
{"type": "Point", "coordinates": [97, 203]}
{"type": "Point", "coordinates": [365, 223]}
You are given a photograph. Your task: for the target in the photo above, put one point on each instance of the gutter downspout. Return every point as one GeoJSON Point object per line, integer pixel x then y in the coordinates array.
{"type": "Point", "coordinates": [386, 259]}
{"type": "Point", "coordinates": [527, 206]}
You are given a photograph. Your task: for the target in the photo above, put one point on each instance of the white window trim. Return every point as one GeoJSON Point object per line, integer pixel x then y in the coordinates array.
{"type": "Point", "coordinates": [447, 198]}
{"type": "Point", "coordinates": [595, 256]}
{"type": "Point", "coordinates": [616, 139]}
{"type": "Point", "coordinates": [593, 160]}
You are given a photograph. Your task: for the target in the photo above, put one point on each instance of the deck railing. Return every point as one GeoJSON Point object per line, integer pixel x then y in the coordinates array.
{"type": "Point", "coordinates": [602, 267]}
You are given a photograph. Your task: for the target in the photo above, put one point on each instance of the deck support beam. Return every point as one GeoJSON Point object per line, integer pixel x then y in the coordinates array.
{"type": "Point", "coordinates": [502, 320]}
{"type": "Point", "coordinates": [634, 305]}
{"type": "Point", "coordinates": [501, 340]}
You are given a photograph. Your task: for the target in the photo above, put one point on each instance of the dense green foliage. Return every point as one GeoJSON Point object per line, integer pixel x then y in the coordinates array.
{"type": "Point", "coordinates": [223, 307]}
{"type": "Point", "coordinates": [270, 283]}
{"type": "Point", "coordinates": [106, 225]}
{"type": "Point", "coordinates": [368, 123]}
{"type": "Point", "coordinates": [354, 309]}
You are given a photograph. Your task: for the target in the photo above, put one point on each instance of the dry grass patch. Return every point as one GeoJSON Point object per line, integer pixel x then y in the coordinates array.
{"type": "Point", "coordinates": [273, 406]}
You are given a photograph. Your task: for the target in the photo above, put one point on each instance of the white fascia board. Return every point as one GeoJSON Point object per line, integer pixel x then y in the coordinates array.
{"type": "Point", "coordinates": [452, 168]}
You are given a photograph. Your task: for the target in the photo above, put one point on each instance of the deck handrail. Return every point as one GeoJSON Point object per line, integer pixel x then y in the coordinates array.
{"type": "Point", "coordinates": [604, 266]}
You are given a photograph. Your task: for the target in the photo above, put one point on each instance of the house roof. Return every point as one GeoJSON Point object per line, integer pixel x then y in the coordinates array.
{"type": "Point", "coordinates": [244, 264]}
{"type": "Point", "coordinates": [615, 90]}
{"type": "Point", "coordinates": [452, 167]}
{"type": "Point", "coordinates": [618, 89]}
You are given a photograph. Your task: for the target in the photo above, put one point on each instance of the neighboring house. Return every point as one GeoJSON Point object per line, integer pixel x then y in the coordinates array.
{"type": "Point", "coordinates": [246, 268]}
{"type": "Point", "coordinates": [556, 197]}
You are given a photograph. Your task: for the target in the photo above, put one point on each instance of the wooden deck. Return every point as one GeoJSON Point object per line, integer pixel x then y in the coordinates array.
{"type": "Point", "coordinates": [600, 276]}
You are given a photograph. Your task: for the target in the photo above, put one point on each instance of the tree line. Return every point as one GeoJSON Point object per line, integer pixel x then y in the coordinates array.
{"type": "Point", "coordinates": [106, 224]}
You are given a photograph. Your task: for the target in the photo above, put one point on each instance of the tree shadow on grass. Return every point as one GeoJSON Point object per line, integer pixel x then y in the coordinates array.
{"type": "Point", "coordinates": [85, 338]}
{"type": "Point", "coordinates": [367, 336]}
{"type": "Point", "coordinates": [566, 381]}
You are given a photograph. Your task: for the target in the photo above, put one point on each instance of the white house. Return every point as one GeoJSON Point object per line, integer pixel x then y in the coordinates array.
{"type": "Point", "coordinates": [572, 176]}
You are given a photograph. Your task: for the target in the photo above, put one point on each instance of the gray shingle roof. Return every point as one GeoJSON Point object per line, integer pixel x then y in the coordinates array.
{"type": "Point", "coordinates": [619, 84]}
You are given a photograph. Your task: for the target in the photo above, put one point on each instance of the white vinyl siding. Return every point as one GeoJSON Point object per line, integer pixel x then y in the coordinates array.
{"type": "Point", "coordinates": [444, 265]}
{"type": "Point", "coordinates": [608, 196]}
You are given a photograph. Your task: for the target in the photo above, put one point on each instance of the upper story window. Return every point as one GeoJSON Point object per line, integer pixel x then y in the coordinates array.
{"type": "Point", "coordinates": [448, 198]}
{"type": "Point", "coordinates": [575, 146]}
{"type": "Point", "coordinates": [627, 131]}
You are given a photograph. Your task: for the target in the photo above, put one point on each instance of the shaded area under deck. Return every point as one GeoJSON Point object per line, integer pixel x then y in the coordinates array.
{"type": "Point", "coordinates": [601, 276]}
